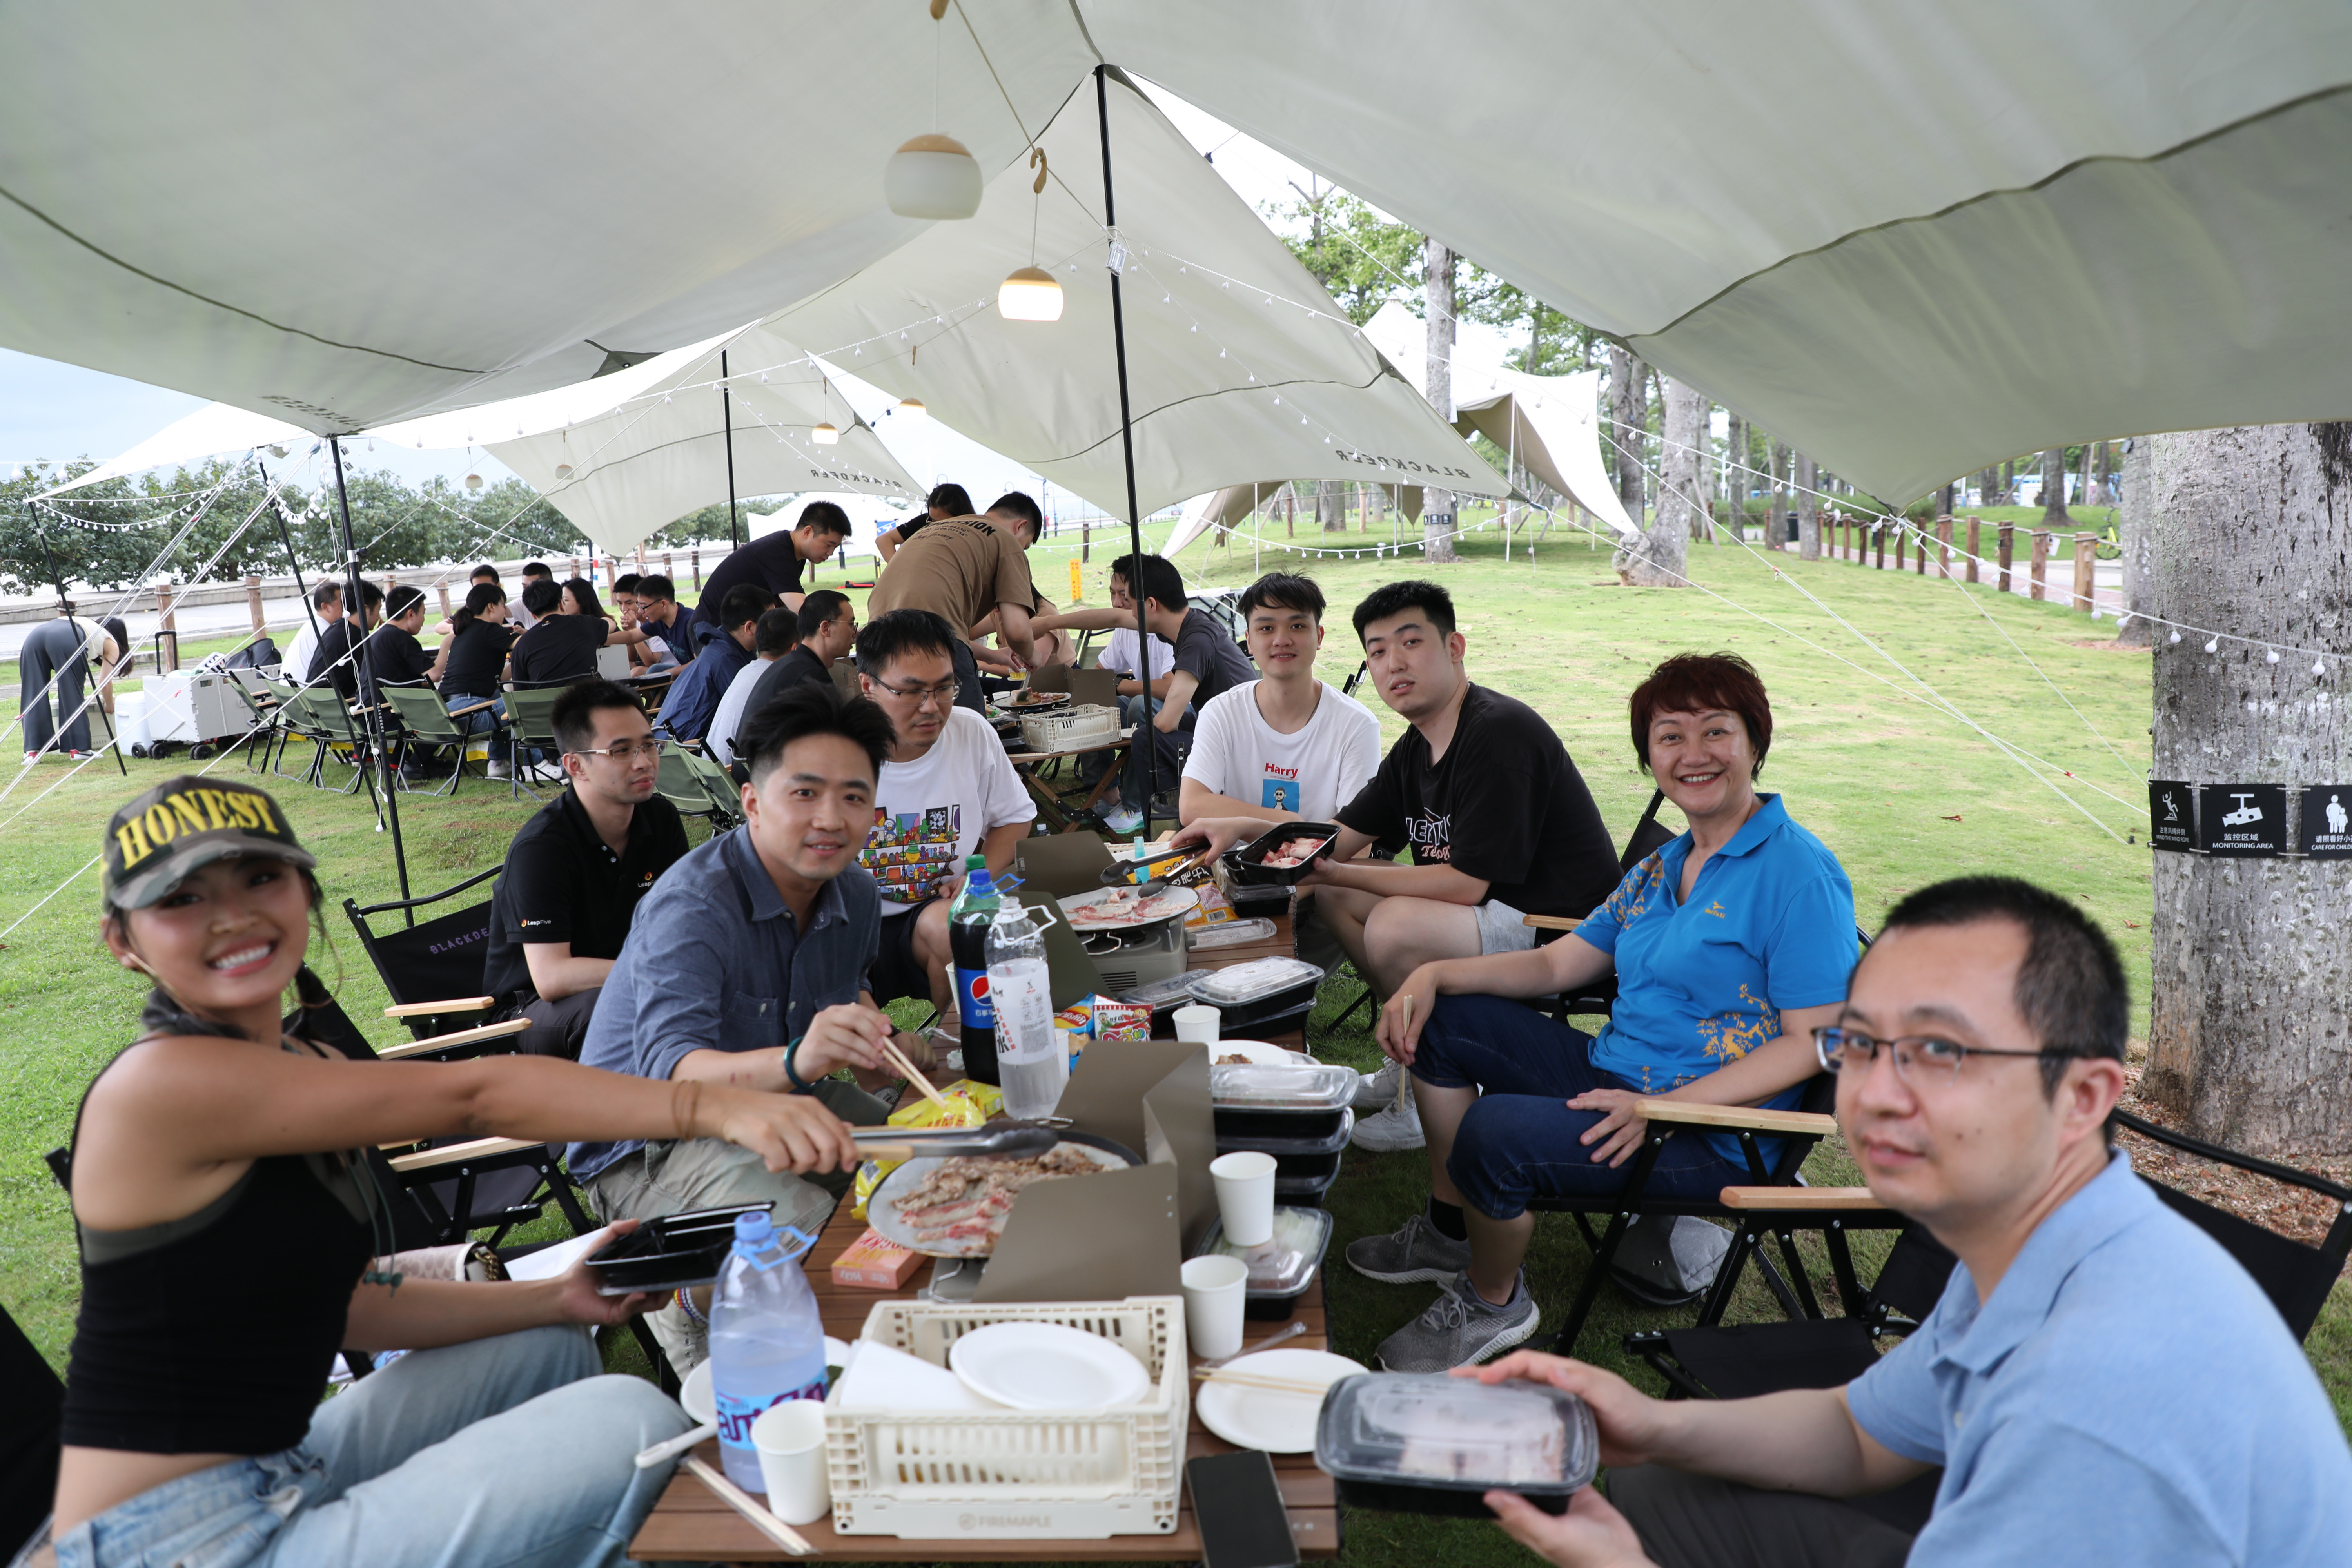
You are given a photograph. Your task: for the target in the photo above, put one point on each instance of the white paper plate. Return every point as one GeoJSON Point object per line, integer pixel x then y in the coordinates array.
{"type": "Point", "coordinates": [1046, 1366]}
{"type": "Point", "coordinates": [1277, 1422]}
{"type": "Point", "coordinates": [1261, 1054]}
{"type": "Point", "coordinates": [694, 1393]}
{"type": "Point", "coordinates": [1177, 901]}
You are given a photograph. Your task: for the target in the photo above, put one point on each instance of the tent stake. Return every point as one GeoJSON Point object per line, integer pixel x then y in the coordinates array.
{"type": "Point", "coordinates": [1127, 443]}
{"type": "Point", "coordinates": [355, 613]}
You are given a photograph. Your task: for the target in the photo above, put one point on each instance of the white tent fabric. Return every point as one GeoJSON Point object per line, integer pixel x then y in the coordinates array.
{"type": "Point", "coordinates": [1552, 423]}
{"type": "Point", "coordinates": [1238, 362]}
{"type": "Point", "coordinates": [212, 429]}
{"type": "Point", "coordinates": [1215, 510]}
{"type": "Point", "coordinates": [867, 517]}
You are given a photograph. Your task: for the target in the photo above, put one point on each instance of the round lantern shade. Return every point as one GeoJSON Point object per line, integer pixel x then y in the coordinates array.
{"type": "Point", "coordinates": [932, 177]}
{"type": "Point", "coordinates": [1030, 294]}
{"type": "Point", "coordinates": [824, 435]}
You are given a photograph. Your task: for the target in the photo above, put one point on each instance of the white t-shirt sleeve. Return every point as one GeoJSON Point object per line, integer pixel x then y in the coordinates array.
{"type": "Point", "coordinates": [999, 792]}
{"type": "Point", "coordinates": [1220, 748]}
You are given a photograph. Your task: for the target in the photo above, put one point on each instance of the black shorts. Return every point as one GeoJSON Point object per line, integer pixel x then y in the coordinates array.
{"type": "Point", "coordinates": [896, 970]}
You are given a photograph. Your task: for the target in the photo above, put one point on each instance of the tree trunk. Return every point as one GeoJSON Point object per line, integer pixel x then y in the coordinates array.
{"type": "Point", "coordinates": [1702, 484]}
{"type": "Point", "coordinates": [2053, 488]}
{"type": "Point", "coordinates": [2138, 538]}
{"type": "Point", "coordinates": [1776, 522]}
{"type": "Point", "coordinates": [1681, 503]}
{"type": "Point", "coordinates": [2252, 958]}
{"type": "Point", "coordinates": [1736, 477]}
{"type": "Point", "coordinates": [1629, 415]}
{"type": "Point", "coordinates": [1437, 506]}
{"type": "Point", "coordinates": [1332, 506]}
{"type": "Point", "coordinates": [2008, 496]}
{"type": "Point", "coordinates": [1988, 484]}
{"type": "Point", "coordinates": [1809, 511]}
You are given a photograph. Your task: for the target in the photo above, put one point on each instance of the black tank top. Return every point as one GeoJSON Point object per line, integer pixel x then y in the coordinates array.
{"type": "Point", "coordinates": [214, 1334]}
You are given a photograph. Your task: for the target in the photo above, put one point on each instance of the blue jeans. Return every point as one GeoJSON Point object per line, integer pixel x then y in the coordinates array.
{"type": "Point", "coordinates": [1168, 753]}
{"type": "Point", "coordinates": [482, 724]}
{"type": "Point", "coordinates": [505, 1452]}
{"type": "Point", "coordinates": [1520, 1141]}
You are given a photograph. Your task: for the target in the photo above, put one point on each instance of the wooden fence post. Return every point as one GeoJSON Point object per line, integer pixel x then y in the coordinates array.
{"type": "Point", "coordinates": [1976, 524]}
{"type": "Point", "coordinates": [253, 602]}
{"type": "Point", "coordinates": [2008, 553]}
{"type": "Point", "coordinates": [1944, 547]}
{"type": "Point", "coordinates": [2041, 563]}
{"type": "Point", "coordinates": [1919, 538]}
{"type": "Point", "coordinates": [574, 561]}
{"type": "Point", "coordinates": [1086, 537]}
{"type": "Point", "coordinates": [2086, 587]}
{"type": "Point", "coordinates": [1879, 534]}
{"type": "Point", "coordinates": [167, 643]}
{"type": "Point", "coordinates": [694, 564]}
{"type": "Point", "coordinates": [1901, 536]}
{"type": "Point", "coordinates": [446, 611]}
{"type": "Point", "coordinates": [668, 570]}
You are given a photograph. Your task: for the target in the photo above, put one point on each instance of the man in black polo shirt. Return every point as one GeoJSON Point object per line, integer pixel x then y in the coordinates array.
{"type": "Point", "coordinates": [772, 561]}
{"type": "Point", "coordinates": [557, 648]}
{"type": "Point", "coordinates": [828, 628]}
{"type": "Point", "coordinates": [575, 872]}
{"type": "Point", "coordinates": [1209, 664]}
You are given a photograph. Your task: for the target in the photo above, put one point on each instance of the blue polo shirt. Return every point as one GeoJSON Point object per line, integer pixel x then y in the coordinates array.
{"type": "Point", "coordinates": [1770, 924]}
{"type": "Point", "coordinates": [2128, 1394]}
{"type": "Point", "coordinates": [715, 961]}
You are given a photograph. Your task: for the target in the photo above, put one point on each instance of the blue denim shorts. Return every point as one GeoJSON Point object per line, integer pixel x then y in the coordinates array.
{"type": "Point", "coordinates": [217, 1517]}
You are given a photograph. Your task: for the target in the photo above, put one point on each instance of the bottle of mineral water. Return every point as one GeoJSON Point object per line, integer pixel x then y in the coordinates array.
{"type": "Point", "coordinates": [767, 1341]}
{"type": "Point", "coordinates": [1030, 1063]}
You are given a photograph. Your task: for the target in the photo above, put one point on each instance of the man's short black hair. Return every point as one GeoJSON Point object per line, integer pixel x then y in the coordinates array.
{"type": "Point", "coordinates": [826, 518]}
{"type": "Point", "coordinates": [778, 633]}
{"type": "Point", "coordinates": [327, 591]}
{"type": "Point", "coordinates": [899, 633]}
{"type": "Point", "coordinates": [485, 572]}
{"type": "Point", "coordinates": [1413, 594]}
{"type": "Point", "coordinates": [654, 586]}
{"type": "Point", "coordinates": [1016, 504]}
{"type": "Point", "coordinates": [2071, 988]}
{"type": "Point", "coordinates": [404, 598]}
{"type": "Point", "coordinates": [813, 707]}
{"type": "Point", "coordinates": [1282, 591]}
{"type": "Point", "coordinates": [1156, 577]}
{"type": "Point", "coordinates": [541, 596]}
{"type": "Point", "coordinates": [1123, 568]}
{"type": "Point", "coordinates": [573, 717]}
{"type": "Point", "coordinates": [370, 597]}
{"type": "Point", "coordinates": [744, 602]}
{"type": "Point", "coordinates": [626, 583]}
{"type": "Point", "coordinates": [536, 569]}
{"type": "Point", "coordinates": [818, 608]}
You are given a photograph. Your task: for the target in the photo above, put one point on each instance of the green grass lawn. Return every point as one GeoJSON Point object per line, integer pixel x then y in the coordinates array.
{"type": "Point", "coordinates": [1901, 790]}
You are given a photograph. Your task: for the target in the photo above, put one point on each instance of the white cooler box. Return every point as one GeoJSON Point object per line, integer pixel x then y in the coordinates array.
{"type": "Point", "coordinates": [189, 706]}
{"type": "Point", "coordinates": [1070, 728]}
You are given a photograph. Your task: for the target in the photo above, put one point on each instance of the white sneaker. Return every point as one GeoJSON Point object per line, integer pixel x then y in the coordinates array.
{"type": "Point", "coordinates": [498, 769]}
{"type": "Point", "coordinates": [1377, 1091]}
{"type": "Point", "coordinates": [1393, 1128]}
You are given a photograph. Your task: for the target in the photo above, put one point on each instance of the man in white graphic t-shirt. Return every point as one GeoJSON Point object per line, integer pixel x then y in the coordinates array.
{"type": "Point", "coordinates": [946, 793]}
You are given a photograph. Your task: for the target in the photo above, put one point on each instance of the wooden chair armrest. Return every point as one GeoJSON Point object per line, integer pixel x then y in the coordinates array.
{"type": "Point", "coordinates": [1758, 1120]}
{"type": "Point", "coordinates": [1794, 1199]}
{"type": "Point", "coordinates": [1552, 922]}
{"type": "Point", "coordinates": [457, 1154]}
{"type": "Point", "coordinates": [462, 1037]}
{"type": "Point", "coordinates": [475, 708]}
{"type": "Point", "coordinates": [454, 1004]}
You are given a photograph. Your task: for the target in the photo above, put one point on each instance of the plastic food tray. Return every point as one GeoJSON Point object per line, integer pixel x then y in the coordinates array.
{"type": "Point", "coordinates": [1276, 1281]}
{"type": "Point", "coordinates": [674, 1252]}
{"type": "Point", "coordinates": [1284, 1133]}
{"type": "Point", "coordinates": [1259, 982]}
{"type": "Point", "coordinates": [1232, 933]}
{"type": "Point", "coordinates": [1248, 860]}
{"type": "Point", "coordinates": [1304, 1178]}
{"type": "Point", "coordinates": [1421, 1443]}
{"type": "Point", "coordinates": [1035, 1475]}
{"type": "Point", "coordinates": [1067, 728]}
{"type": "Point", "coordinates": [1310, 1086]}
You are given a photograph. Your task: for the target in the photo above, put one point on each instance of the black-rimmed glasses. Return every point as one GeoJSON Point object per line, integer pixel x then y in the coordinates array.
{"type": "Point", "coordinates": [943, 694]}
{"type": "Point", "coordinates": [1918, 1058]}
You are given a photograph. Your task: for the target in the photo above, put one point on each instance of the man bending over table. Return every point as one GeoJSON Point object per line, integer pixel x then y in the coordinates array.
{"type": "Point", "coordinates": [747, 966]}
{"type": "Point", "coordinates": [2101, 1381]}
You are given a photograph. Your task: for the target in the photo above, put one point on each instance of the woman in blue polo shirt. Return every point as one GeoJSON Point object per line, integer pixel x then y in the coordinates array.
{"type": "Point", "coordinates": [1729, 946]}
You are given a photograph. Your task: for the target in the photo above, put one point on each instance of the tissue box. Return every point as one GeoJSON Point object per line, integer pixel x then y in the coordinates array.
{"type": "Point", "coordinates": [874, 1264]}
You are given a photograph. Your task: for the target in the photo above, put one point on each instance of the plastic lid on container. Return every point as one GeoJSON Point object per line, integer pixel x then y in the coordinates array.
{"type": "Point", "coordinates": [1454, 1435]}
{"type": "Point", "coordinates": [1255, 981]}
{"type": "Point", "coordinates": [1309, 1086]}
{"type": "Point", "coordinates": [1174, 991]}
{"type": "Point", "coordinates": [1282, 1266]}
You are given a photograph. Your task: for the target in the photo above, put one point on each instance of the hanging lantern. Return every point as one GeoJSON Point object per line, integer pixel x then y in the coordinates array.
{"type": "Point", "coordinates": [932, 176]}
{"type": "Point", "coordinates": [824, 435]}
{"type": "Point", "coordinates": [563, 471]}
{"type": "Point", "coordinates": [912, 408]}
{"type": "Point", "coordinates": [1030, 294]}
{"type": "Point", "coordinates": [473, 481]}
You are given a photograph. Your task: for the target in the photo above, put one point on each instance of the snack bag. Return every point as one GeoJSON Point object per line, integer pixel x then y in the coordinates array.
{"type": "Point", "coordinates": [1117, 1020]}
{"type": "Point", "coordinates": [969, 1104]}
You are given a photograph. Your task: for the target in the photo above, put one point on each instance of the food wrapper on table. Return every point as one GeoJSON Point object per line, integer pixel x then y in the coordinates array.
{"type": "Point", "coordinates": [1077, 1019]}
{"type": "Point", "coordinates": [1117, 1020]}
{"type": "Point", "coordinates": [873, 1264]}
{"type": "Point", "coordinates": [969, 1104]}
{"type": "Point", "coordinates": [1215, 907]}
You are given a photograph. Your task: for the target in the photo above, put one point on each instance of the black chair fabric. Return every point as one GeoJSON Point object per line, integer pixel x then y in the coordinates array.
{"type": "Point", "coordinates": [35, 1401]}
{"type": "Point", "coordinates": [436, 959]}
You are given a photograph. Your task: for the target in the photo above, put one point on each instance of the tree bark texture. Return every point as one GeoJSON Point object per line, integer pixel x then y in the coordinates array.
{"type": "Point", "coordinates": [1332, 506]}
{"type": "Point", "coordinates": [1681, 503]}
{"type": "Point", "coordinates": [1629, 413]}
{"type": "Point", "coordinates": [2137, 533]}
{"type": "Point", "coordinates": [1437, 506]}
{"type": "Point", "coordinates": [1808, 510]}
{"type": "Point", "coordinates": [1657, 557]}
{"type": "Point", "coordinates": [2250, 1035]}
{"type": "Point", "coordinates": [2053, 488]}
{"type": "Point", "coordinates": [1776, 522]}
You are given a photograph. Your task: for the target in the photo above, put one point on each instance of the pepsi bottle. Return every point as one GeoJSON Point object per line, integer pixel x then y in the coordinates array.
{"type": "Point", "coordinates": [967, 922]}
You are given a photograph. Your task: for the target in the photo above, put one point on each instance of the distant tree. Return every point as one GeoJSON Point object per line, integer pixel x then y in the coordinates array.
{"type": "Point", "coordinates": [1362, 258]}
{"type": "Point", "coordinates": [2053, 488]}
{"type": "Point", "coordinates": [1556, 344]}
{"type": "Point", "coordinates": [1437, 298]}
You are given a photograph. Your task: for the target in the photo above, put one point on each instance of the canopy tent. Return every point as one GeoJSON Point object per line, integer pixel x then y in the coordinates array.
{"type": "Point", "coordinates": [1240, 366]}
{"type": "Point", "coordinates": [1549, 423]}
{"type": "Point", "coordinates": [215, 427]}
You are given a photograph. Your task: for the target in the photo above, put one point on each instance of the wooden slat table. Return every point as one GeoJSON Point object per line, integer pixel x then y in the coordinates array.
{"type": "Point", "coordinates": [1049, 804]}
{"type": "Point", "coordinates": [690, 1523]}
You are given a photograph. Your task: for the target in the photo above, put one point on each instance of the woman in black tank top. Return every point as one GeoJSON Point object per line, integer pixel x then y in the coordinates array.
{"type": "Point", "coordinates": [227, 1222]}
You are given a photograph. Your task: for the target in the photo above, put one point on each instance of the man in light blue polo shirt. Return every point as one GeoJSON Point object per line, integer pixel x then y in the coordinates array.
{"type": "Point", "coordinates": [2101, 1383]}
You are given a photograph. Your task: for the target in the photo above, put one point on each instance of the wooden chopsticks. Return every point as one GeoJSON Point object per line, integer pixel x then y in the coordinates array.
{"type": "Point", "coordinates": [898, 1059]}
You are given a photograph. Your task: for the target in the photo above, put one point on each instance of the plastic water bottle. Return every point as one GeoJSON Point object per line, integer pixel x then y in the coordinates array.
{"type": "Point", "coordinates": [1031, 1066]}
{"type": "Point", "coordinates": [968, 919]}
{"type": "Point", "coordinates": [767, 1341]}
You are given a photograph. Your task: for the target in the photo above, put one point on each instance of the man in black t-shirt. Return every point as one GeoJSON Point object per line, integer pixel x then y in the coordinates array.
{"type": "Point", "coordinates": [400, 658]}
{"type": "Point", "coordinates": [557, 648]}
{"type": "Point", "coordinates": [828, 631]}
{"type": "Point", "coordinates": [773, 562]}
{"type": "Point", "coordinates": [575, 871]}
{"type": "Point", "coordinates": [1208, 664]}
{"type": "Point", "coordinates": [332, 661]}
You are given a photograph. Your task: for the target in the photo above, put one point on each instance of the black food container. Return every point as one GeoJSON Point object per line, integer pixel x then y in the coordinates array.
{"type": "Point", "coordinates": [1279, 1272]}
{"type": "Point", "coordinates": [676, 1252]}
{"type": "Point", "coordinates": [1248, 862]}
{"type": "Point", "coordinates": [1414, 1442]}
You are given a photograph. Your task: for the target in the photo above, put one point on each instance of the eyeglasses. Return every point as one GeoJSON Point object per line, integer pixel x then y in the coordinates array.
{"type": "Point", "coordinates": [623, 751]}
{"type": "Point", "coordinates": [1918, 1058]}
{"type": "Point", "coordinates": [943, 694]}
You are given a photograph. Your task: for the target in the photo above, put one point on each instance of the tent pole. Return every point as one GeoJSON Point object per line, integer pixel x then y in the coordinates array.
{"type": "Point", "coordinates": [726, 419]}
{"type": "Point", "coordinates": [1127, 445]}
{"type": "Point", "coordinates": [355, 613]}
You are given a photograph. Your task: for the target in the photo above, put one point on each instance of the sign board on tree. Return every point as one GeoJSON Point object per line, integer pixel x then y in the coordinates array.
{"type": "Point", "coordinates": [2242, 819]}
{"type": "Point", "coordinates": [2327, 822]}
{"type": "Point", "coordinates": [2171, 821]}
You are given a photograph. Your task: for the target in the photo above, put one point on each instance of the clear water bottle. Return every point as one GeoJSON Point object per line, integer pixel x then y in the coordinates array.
{"type": "Point", "coordinates": [968, 917]}
{"type": "Point", "coordinates": [1030, 1063]}
{"type": "Point", "coordinates": [767, 1340]}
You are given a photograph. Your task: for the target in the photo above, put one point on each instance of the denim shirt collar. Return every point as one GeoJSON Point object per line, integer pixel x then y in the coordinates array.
{"type": "Point", "coordinates": [761, 896]}
{"type": "Point", "coordinates": [2021, 1302]}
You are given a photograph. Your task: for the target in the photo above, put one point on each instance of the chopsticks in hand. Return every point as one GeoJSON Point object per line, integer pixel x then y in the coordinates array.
{"type": "Point", "coordinates": [898, 1060]}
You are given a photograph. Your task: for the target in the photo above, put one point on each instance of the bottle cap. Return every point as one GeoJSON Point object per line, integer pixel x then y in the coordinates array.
{"type": "Point", "coordinates": [975, 862]}
{"type": "Point", "coordinates": [976, 882]}
{"type": "Point", "coordinates": [754, 1229]}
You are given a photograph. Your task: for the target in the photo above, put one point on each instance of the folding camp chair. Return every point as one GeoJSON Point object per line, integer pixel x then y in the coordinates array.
{"type": "Point", "coordinates": [530, 721]}
{"type": "Point", "coordinates": [718, 786]}
{"type": "Point", "coordinates": [328, 721]}
{"type": "Point", "coordinates": [678, 784]}
{"type": "Point", "coordinates": [28, 1439]}
{"type": "Point", "coordinates": [433, 972]}
{"type": "Point", "coordinates": [425, 722]}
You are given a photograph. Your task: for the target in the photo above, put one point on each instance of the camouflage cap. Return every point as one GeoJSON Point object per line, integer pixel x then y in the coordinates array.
{"type": "Point", "coordinates": [186, 824]}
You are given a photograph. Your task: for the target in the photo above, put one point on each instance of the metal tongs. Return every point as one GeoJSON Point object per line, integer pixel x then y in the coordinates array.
{"type": "Point", "coordinates": [998, 1140]}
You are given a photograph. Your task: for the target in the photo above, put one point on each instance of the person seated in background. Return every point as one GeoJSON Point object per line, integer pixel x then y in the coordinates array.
{"type": "Point", "coordinates": [485, 572]}
{"type": "Point", "coordinates": [532, 571]}
{"type": "Point", "coordinates": [332, 662]}
{"type": "Point", "coordinates": [2100, 1382]}
{"type": "Point", "coordinates": [1206, 666]}
{"type": "Point", "coordinates": [775, 634]}
{"type": "Point", "coordinates": [963, 570]}
{"type": "Point", "coordinates": [399, 659]}
{"type": "Point", "coordinates": [472, 664]}
{"type": "Point", "coordinates": [1118, 654]}
{"type": "Point", "coordinates": [559, 648]}
{"type": "Point", "coordinates": [661, 623]}
{"type": "Point", "coordinates": [946, 793]}
{"type": "Point", "coordinates": [326, 608]}
{"type": "Point", "coordinates": [747, 967]}
{"type": "Point", "coordinates": [575, 871]}
{"type": "Point", "coordinates": [1729, 944]}
{"type": "Point", "coordinates": [580, 599]}
{"type": "Point", "coordinates": [693, 699]}
{"type": "Point", "coordinates": [827, 626]}
{"type": "Point", "coordinates": [772, 561]}
{"type": "Point", "coordinates": [945, 500]}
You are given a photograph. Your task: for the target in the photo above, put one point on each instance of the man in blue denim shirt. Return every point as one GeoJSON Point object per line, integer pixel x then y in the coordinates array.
{"type": "Point", "coordinates": [2101, 1381]}
{"type": "Point", "coordinates": [746, 965]}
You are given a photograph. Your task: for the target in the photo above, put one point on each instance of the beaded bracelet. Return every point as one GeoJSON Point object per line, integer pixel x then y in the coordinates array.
{"type": "Point", "coordinates": [686, 1305]}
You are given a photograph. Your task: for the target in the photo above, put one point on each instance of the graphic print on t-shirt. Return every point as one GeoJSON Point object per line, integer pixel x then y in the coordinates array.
{"type": "Point", "coordinates": [1432, 838]}
{"type": "Point", "coordinates": [909, 852]}
{"type": "Point", "coordinates": [1281, 789]}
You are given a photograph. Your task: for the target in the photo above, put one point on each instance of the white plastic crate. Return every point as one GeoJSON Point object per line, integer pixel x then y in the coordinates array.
{"type": "Point", "coordinates": [1068, 729]}
{"type": "Point", "coordinates": [1014, 1474]}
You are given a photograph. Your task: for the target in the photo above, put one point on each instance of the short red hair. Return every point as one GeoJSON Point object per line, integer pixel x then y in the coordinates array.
{"type": "Point", "coordinates": [1692, 682]}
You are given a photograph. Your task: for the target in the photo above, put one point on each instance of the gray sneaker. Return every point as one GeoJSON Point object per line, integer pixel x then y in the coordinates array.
{"type": "Point", "coordinates": [1460, 1329]}
{"type": "Point", "coordinates": [1416, 1251]}
{"type": "Point", "coordinates": [1392, 1128]}
{"type": "Point", "coordinates": [1377, 1091]}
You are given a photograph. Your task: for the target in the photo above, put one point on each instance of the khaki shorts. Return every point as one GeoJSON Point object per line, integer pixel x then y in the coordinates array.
{"type": "Point", "coordinates": [1502, 929]}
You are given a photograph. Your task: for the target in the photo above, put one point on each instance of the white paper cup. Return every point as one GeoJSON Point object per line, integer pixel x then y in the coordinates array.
{"type": "Point", "coordinates": [1246, 1196]}
{"type": "Point", "coordinates": [1213, 1300]}
{"type": "Point", "coordinates": [1197, 1024]}
{"type": "Point", "coordinates": [790, 1438]}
